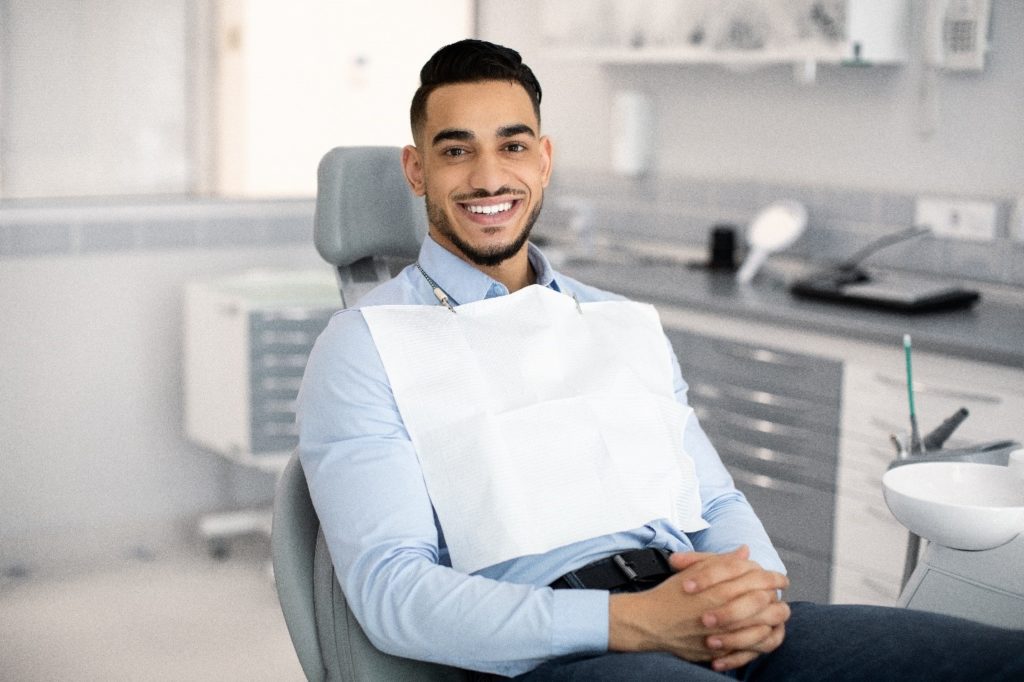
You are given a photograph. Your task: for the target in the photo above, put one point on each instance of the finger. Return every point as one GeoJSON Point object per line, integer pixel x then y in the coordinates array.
{"type": "Point", "coordinates": [680, 561]}
{"type": "Point", "coordinates": [736, 640]}
{"type": "Point", "coordinates": [732, 661]}
{"type": "Point", "coordinates": [736, 658]}
{"type": "Point", "coordinates": [718, 568]}
{"type": "Point", "coordinates": [736, 601]}
{"type": "Point", "coordinates": [776, 613]}
{"type": "Point", "coordinates": [760, 638]}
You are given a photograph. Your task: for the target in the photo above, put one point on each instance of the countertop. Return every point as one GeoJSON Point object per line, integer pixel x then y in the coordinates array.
{"type": "Point", "coordinates": [990, 331]}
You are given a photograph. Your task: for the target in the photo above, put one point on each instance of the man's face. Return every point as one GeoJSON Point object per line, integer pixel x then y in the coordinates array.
{"type": "Point", "coordinates": [482, 166]}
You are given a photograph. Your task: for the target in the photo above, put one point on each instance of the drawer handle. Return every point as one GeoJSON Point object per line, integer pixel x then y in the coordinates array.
{"type": "Point", "coordinates": [277, 337]}
{"type": "Point", "coordinates": [763, 454]}
{"type": "Point", "coordinates": [767, 483]}
{"type": "Point", "coordinates": [763, 356]}
{"type": "Point", "coordinates": [809, 435]}
{"type": "Point", "coordinates": [290, 384]}
{"type": "Point", "coordinates": [285, 360]}
{"type": "Point", "coordinates": [293, 315]}
{"type": "Point", "coordinates": [725, 389]}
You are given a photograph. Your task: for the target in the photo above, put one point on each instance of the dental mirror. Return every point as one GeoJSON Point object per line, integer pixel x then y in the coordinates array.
{"type": "Point", "coordinates": [774, 229]}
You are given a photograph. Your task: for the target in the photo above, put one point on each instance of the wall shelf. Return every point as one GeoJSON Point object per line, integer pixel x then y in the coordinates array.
{"type": "Point", "coordinates": [843, 32]}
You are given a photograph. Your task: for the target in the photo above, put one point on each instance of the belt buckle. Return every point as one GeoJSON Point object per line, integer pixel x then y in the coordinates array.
{"type": "Point", "coordinates": [625, 568]}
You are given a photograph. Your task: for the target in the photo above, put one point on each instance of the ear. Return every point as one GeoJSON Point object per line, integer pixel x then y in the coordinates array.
{"type": "Point", "coordinates": [413, 169]}
{"type": "Point", "coordinates": [546, 151]}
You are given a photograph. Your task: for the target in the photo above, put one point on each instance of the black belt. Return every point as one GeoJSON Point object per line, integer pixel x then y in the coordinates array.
{"type": "Point", "coordinates": [631, 571]}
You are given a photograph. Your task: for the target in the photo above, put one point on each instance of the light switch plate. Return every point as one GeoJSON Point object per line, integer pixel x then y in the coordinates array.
{"type": "Point", "coordinates": [957, 218]}
{"type": "Point", "coordinates": [1017, 220]}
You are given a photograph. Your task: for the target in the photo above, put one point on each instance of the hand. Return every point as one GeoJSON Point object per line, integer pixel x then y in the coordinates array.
{"type": "Point", "coordinates": [715, 599]}
{"type": "Point", "coordinates": [764, 637]}
{"type": "Point", "coordinates": [740, 641]}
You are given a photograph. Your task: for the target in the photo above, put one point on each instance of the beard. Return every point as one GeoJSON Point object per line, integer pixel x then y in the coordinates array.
{"type": "Point", "coordinates": [488, 257]}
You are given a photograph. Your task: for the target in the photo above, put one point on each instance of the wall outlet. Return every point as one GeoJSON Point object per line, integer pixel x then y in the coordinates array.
{"type": "Point", "coordinates": [957, 218]}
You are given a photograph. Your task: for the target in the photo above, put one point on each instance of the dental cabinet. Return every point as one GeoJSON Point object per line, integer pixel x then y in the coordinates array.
{"type": "Point", "coordinates": [802, 420]}
{"type": "Point", "coordinates": [247, 337]}
{"type": "Point", "coordinates": [773, 416]}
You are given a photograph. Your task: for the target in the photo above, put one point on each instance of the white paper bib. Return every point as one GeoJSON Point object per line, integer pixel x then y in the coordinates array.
{"type": "Point", "coordinates": [538, 425]}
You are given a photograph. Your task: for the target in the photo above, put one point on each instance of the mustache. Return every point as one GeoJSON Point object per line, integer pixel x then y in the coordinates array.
{"type": "Point", "coordinates": [484, 194]}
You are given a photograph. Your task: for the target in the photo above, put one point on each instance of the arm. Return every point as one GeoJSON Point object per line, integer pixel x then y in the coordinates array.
{"type": "Point", "coordinates": [368, 491]}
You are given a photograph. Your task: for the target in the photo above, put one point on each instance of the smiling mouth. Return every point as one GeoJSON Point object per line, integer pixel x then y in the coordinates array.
{"type": "Point", "coordinates": [493, 209]}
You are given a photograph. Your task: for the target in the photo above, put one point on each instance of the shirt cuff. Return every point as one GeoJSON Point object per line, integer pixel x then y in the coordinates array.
{"type": "Point", "coordinates": [580, 622]}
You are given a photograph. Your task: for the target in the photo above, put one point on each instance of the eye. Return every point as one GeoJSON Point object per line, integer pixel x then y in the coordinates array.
{"type": "Point", "coordinates": [515, 147]}
{"type": "Point", "coordinates": [454, 152]}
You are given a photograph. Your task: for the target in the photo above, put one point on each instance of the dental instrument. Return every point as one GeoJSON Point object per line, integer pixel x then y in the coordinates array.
{"type": "Point", "coordinates": [915, 436]}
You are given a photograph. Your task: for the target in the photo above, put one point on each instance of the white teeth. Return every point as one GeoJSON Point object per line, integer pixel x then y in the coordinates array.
{"type": "Point", "coordinates": [490, 210]}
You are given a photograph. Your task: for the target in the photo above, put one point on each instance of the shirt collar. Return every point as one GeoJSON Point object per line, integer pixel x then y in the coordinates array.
{"type": "Point", "coordinates": [464, 283]}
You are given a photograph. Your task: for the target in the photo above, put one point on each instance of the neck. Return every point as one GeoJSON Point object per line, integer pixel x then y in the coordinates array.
{"type": "Point", "coordinates": [515, 273]}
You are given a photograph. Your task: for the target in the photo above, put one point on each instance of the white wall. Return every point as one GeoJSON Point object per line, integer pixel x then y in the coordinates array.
{"type": "Point", "coordinates": [856, 128]}
{"type": "Point", "coordinates": [307, 76]}
{"type": "Point", "coordinates": [94, 98]}
{"type": "Point", "coordinates": [94, 459]}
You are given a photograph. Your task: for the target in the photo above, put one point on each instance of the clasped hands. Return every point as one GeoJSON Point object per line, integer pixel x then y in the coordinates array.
{"type": "Point", "coordinates": [721, 609]}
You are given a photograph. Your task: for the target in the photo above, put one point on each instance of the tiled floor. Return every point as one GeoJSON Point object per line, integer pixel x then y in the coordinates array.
{"type": "Point", "coordinates": [187, 617]}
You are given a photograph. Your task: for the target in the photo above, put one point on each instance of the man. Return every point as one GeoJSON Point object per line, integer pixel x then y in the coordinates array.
{"type": "Point", "coordinates": [459, 426]}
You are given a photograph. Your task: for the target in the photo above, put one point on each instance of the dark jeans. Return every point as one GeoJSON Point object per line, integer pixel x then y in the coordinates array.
{"type": "Point", "coordinates": [835, 643]}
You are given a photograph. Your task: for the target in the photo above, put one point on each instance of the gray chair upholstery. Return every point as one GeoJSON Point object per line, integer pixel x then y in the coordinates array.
{"type": "Point", "coordinates": [366, 216]}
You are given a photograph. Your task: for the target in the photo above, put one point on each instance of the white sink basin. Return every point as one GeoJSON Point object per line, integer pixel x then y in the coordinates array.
{"type": "Point", "coordinates": [962, 505]}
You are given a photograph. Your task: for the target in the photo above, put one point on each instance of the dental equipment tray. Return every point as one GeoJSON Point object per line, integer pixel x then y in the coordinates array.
{"type": "Point", "coordinates": [893, 293]}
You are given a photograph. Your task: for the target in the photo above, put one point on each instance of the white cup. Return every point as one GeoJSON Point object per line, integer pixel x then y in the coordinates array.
{"type": "Point", "coordinates": [1016, 462]}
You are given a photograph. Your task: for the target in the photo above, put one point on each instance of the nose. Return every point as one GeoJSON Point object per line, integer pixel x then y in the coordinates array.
{"type": "Point", "coordinates": [488, 173]}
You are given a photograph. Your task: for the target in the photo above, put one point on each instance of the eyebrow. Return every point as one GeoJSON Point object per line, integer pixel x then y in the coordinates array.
{"type": "Point", "coordinates": [462, 135]}
{"type": "Point", "coordinates": [516, 129]}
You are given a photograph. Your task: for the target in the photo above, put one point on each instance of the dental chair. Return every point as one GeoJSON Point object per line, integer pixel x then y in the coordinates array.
{"type": "Point", "coordinates": [368, 223]}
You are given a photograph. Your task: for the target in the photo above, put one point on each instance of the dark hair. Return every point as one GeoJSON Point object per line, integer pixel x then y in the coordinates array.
{"type": "Point", "coordinates": [471, 61]}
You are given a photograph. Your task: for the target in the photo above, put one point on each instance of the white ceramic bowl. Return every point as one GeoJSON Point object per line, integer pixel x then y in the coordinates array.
{"type": "Point", "coordinates": [963, 505]}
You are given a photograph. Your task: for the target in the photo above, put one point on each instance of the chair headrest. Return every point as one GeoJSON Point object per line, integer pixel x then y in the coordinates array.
{"type": "Point", "coordinates": [364, 207]}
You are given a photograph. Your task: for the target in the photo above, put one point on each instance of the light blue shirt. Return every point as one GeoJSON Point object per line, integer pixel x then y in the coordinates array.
{"type": "Point", "coordinates": [387, 547]}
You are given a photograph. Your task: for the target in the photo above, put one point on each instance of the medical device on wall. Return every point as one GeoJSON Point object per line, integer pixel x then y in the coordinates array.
{"type": "Point", "coordinates": [958, 32]}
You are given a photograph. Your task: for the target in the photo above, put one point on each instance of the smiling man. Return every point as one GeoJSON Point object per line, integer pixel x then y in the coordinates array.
{"type": "Point", "coordinates": [506, 469]}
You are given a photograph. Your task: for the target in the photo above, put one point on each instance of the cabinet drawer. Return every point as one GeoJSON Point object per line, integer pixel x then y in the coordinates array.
{"type": "Point", "coordinates": [801, 456]}
{"type": "Point", "coordinates": [796, 516]}
{"type": "Point", "coordinates": [809, 578]}
{"type": "Point", "coordinates": [786, 411]}
{"type": "Point", "coordinates": [757, 367]}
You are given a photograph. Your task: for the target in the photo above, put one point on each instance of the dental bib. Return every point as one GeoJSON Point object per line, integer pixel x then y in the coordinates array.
{"type": "Point", "coordinates": [539, 422]}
